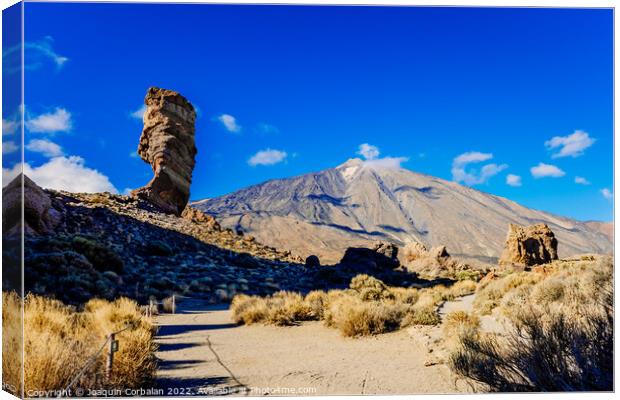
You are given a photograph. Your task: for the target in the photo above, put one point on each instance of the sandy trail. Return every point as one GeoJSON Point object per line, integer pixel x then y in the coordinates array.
{"type": "Point", "coordinates": [203, 352]}
{"type": "Point", "coordinates": [488, 323]}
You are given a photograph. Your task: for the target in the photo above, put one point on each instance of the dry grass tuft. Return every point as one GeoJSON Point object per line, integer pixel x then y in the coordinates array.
{"type": "Point", "coordinates": [59, 341]}
{"type": "Point", "coordinates": [369, 307]}
{"type": "Point", "coordinates": [459, 323]}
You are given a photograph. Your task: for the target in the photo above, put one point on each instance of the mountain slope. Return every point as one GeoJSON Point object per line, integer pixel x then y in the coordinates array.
{"type": "Point", "coordinates": [355, 203]}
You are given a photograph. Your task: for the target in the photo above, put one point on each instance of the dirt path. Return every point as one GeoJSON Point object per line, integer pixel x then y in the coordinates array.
{"type": "Point", "coordinates": [203, 352]}
{"type": "Point", "coordinates": [488, 323]}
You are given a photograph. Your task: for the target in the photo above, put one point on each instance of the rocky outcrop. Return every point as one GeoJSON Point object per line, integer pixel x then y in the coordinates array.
{"type": "Point", "coordinates": [439, 252]}
{"type": "Point", "coordinates": [413, 251]}
{"type": "Point", "coordinates": [381, 256]}
{"type": "Point", "coordinates": [167, 143]}
{"type": "Point", "coordinates": [39, 215]}
{"type": "Point", "coordinates": [194, 215]}
{"type": "Point", "coordinates": [529, 245]}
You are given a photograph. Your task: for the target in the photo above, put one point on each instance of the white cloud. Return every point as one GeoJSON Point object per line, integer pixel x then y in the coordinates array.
{"type": "Point", "coordinates": [471, 157]}
{"type": "Point", "coordinates": [543, 170]}
{"type": "Point", "coordinates": [64, 173]}
{"type": "Point", "coordinates": [572, 145]}
{"type": "Point", "coordinates": [229, 122]}
{"type": "Point", "coordinates": [581, 180]}
{"type": "Point", "coordinates": [37, 54]}
{"type": "Point", "coordinates": [45, 147]}
{"type": "Point", "coordinates": [267, 157]}
{"type": "Point", "coordinates": [57, 121]}
{"type": "Point", "coordinates": [139, 113]}
{"type": "Point", "coordinates": [9, 127]}
{"type": "Point", "coordinates": [8, 174]}
{"type": "Point", "coordinates": [267, 128]}
{"type": "Point", "coordinates": [9, 147]}
{"type": "Point", "coordinates": [386, 162]}
{"type": "Point", "coordinates": [474, 177]}
{"type": "Point", "coordinates": [513, 180]}
{"type": "Point", "coordinates": [607, 193]}
{"type": "Point", "coordinates": [134, 154]}
{"type": "Point", "coordinates": [127, 191]}
{"type": "Point", "coordinates": [371, 158]}
{"type": "Point", "coordinates": [368, 151]}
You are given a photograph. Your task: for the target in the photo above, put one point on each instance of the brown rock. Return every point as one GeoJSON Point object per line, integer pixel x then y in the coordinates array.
{"type": "Point", "coordinates": [195, 215]}
{"type": "Point", "coordinates": [413, 251]}
{"type": "Point", "coordinates": [167, 143]}
{"type": "Point", "coordinates": [439, 252]}
{"type": "Point", "coordinates": [529, 245]}
{"type": "Point", "coordinates": [39, 215]}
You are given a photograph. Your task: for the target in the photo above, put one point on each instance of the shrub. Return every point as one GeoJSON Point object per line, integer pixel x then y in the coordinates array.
{"type": "Point", "coordinates": [282, 308]}
{"type": "Point", "coordinates": [168, 304]}
{"type": "Point", "coordinates": [248, 309]}
{"type": "Point", "coordinates": [421, 314]}
{"type": "Point", "coordinates": [467, 274]}
{"type": "Point", "coordinates": [370, 288]}
{"type": "Point", "coordinates": [317, 301]}
{"type": "Point", "coordinates": [462, 288]}
{"type": "Point", "coordinates": [59, 341]}
{"type": "Point", "coordinates": [11, 342]}
{"type": "Point", "coordinates": [102, 258]}
{"type": "Point", "coordinates": [548, 291]}
{"type": "Point", "coordinates": [559, 354]}
{"type": "Point", "coordinates": [354, 317]}
{"type": "Point", "coordinates": [460, 323]}
{"type": "Point", "coordinates": [560, 336]}
{"type": "Point", "coordinates": [369, 307]}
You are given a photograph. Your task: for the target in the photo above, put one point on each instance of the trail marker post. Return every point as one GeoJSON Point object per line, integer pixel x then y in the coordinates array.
{"type": "Point", "coordinates": [113, 348]}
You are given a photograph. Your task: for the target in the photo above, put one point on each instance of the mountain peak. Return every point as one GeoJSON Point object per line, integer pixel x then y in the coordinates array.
{"type": "Point", "coordinates": [351, 162]}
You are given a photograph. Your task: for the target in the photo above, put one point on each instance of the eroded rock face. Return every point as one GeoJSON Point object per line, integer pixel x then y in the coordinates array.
{"type": "Point", "coordinates": [529, 245]}
{"type": "Point", "coordinates": [167, 143]}
{"type": "Point", "coordinates": [39, 215]}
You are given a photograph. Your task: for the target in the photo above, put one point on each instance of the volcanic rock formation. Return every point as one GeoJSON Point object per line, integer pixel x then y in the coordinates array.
{"type": "Point", "coordinates": [167, 143]}
{"type": "Point", "coordinates": [39, 215]}
{"type": "Point", "coordinates": [530, 245]}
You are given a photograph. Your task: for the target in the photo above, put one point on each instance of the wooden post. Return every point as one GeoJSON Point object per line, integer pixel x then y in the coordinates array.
{"type": "Point", "coordinates": [111, 349]}
{"type": "Point", "coordinates": [174, 304]}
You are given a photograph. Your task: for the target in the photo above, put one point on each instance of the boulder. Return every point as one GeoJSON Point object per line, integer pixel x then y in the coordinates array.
{"type": "Point", "coordinates": [312, 261]}
{"type": "Point", "coordinates": [529, 245]}
{"type": "Point", "coordinates": [381, 256]}
{"type": "Point", "coordinates": [39, 215]}
{"type": "Point", "coordinates": [413, 251]}
{"type": "Point", "coordinates": [167, 143]}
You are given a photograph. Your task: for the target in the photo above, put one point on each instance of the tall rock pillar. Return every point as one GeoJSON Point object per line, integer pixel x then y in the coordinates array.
{"type": "Point", "coordinates": [167, 143]}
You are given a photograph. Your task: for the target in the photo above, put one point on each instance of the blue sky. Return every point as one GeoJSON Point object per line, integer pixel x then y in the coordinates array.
{"type": "Point", "coordinates": [472, 95]}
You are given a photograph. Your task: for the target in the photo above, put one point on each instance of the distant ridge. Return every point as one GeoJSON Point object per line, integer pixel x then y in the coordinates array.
{"type": "Point", "coordinates": [358, 202]}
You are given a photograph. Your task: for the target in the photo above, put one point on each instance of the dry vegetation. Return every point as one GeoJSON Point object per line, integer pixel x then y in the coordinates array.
{"type": "Point", "coordinates": [59, 341]}
{"type": "Point", "coordinates": [368, 307]}
{"type": "Point", "coordinates": [560, 335]}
